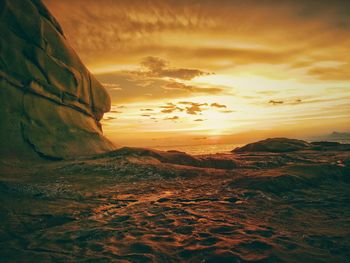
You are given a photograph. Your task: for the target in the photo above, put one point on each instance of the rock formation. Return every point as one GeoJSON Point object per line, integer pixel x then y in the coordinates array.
{"type": "Point", "coordinates": [50, 105]}
{"type": "Point", "coordinates": [281, 145]}
{"type": "Point", "coordinates": [277, 145]}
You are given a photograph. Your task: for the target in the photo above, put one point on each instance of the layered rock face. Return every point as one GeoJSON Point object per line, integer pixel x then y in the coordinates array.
{"type": "Point", "coordinates": [50, 105]}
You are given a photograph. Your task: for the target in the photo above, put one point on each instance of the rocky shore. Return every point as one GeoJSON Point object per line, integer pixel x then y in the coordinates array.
{"type": "Point", "coordinates": [141, 205]}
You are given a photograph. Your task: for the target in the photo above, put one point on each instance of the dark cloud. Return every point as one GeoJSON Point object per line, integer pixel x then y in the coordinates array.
{"type": "Point", "coordinates": [116, 108]}
{"type": "Point", "coordinates": [145, 115]}
{"type": "Point", "coordinates": [170, 108]}
{"type": "Point", "coordinates": [194, 110]}
{"type": "Point", "coordinates": [146, 110]}
{"type": "Point", "coordinates": [276, 102]}
{"type": "Point", "coordinates": [193, 103]}
{"type": "Point", "coordinates": [297, 101]}
{"type": "Point", "coordinates": [288, 102]}
{"type": "Point", "coordinates": [199, 120]}
{"type": "Point", "coordinates": [194, 107]}
{"type": "Point", "coordinates": [143, 88]}
{"type": "Point", "coordinates": [307, 100]}
{"type": "Point", "coordinates": [218, 105]}
{"type": "Point", "coordinates": [158, 68]}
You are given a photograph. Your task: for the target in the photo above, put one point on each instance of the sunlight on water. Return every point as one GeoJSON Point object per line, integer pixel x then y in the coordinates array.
{"type": "Point", "coordinates": [200, 149]}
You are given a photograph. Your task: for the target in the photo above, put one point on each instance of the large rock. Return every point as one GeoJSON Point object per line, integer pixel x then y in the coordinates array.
{"type": "Point", "coordinates": [277, 145]}
{"type": "Point", "coordinates": [50, 105]}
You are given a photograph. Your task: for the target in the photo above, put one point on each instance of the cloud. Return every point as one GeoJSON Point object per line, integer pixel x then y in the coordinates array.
{"type": "Point", "coordinates": [276, 102]}
{"type": "Point", "coordinates": [183, 40]}
{"type": "Point", "coordinates": [170, 108]}
{"type": "Point", "coordinates": [218, 105]}
{"type": "Point", "coordinates": [194, 110]}
{"type": "Point", "coordinates": [190, 88]}
{"type": "Point", "coordinates": [288, 102]}
{"type": "Point", "coordinates": [174, 118]}
{"type": "Point", "coordinates": [297, 101]}
{"type": "Point", "coordinates": [111, 86]}
{"type": "Point", "coordinates": [268, 92]}
{"type": "Point", "coordinates": [340, 72]}
{"type": "Point", "coordinates": [109, 118]}
{"type": "Point", "coordinates": [195, 33]}
{"type": "Point", "coordinates": [116, 108]}
{"type": "Point", "coordinates": [193, 103]}
{"type": "Point", "coordinates": [194, 107]}
{"type": "Point", "coordinates": [135, 89]}
{"type": "Point", "coordinates": [158, 68]}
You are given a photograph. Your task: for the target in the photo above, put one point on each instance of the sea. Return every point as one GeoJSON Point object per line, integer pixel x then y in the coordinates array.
{"type": "Point", "coordinates": [200, 149]}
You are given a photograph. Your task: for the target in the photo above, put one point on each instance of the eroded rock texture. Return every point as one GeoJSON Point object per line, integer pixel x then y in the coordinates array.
{"type": "Point", "coordinates": [50, 105]}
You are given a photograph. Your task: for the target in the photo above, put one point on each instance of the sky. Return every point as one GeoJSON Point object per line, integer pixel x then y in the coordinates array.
{"type": "Point", "coordinates": [201, 72]}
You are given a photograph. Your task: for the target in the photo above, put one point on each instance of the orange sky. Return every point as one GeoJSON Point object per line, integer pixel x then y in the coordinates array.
{"type": "Point", "coordinates": [180, 72]}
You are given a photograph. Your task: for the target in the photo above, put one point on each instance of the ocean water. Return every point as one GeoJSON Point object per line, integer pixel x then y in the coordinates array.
{"type": "Point", "coordinates": [200, 149]}
{"type": "Point", "coordinates": [216, 148]}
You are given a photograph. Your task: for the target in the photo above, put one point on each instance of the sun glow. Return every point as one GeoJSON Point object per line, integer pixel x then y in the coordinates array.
{"type": "Point", "coordinates": [215, 68]}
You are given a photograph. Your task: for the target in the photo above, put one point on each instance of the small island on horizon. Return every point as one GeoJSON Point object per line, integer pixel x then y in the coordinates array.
{"type": "Point", "coordinates": [77, 182]}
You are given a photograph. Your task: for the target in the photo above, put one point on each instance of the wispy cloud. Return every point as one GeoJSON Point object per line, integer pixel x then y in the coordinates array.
{"type": "Point", "coordinates": [158, 67]}
{"type": "Point", "coordinates": [338, 73]}
{"type": "Point", "coordinates": [170, 108]}
{"type": "Point", "coordinates": [111, 86]}
{"type": "Point", "coordinates": [140, 87]}
{"type": "Point", "coordinates": [190, 88]}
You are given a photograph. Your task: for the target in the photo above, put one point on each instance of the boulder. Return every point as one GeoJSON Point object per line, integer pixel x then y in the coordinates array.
{"type": "Point", "coordinates": [50, 104]}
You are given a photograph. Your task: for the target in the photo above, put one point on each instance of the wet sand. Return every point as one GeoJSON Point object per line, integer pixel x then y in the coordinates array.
{"type": "Point", "coordinates": [132, 207]}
